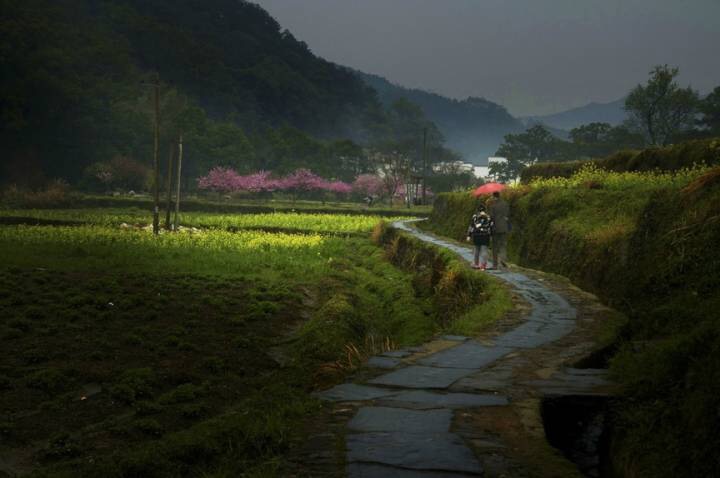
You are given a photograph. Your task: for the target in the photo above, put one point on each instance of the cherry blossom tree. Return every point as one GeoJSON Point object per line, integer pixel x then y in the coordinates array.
{"type": "Point", "coordinates": [338, 187]}
{"type": "Point", "coordinates": [256, 182]}
{"type": "Point", "coordinates": [302, 180]}
{"type": "Point", "coordinates": [368, 185]}
{"type": "Point", "coordinates": [226, 180]}
{"type": "Point", "coordinates": [220, 180]}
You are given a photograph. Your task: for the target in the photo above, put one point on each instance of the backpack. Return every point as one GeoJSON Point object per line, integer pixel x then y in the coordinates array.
{"type": "Point", "coordinates": [481, 225]}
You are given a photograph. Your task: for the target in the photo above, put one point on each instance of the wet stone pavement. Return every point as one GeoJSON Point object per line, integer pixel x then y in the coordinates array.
{"type": "Point", "coordinates": [411, 418]}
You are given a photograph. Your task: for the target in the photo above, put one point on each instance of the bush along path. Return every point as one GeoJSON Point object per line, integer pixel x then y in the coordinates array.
{"type": "Point", "coordinates": [460, 406]}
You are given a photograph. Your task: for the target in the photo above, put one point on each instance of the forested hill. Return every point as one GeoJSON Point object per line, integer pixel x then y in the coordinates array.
{"type": "Point", "coordinates": [475, 127]}
{"type": "Point", "coordinates": [233, 57]}
{"type": "Point", "coordinates": [74, 88]}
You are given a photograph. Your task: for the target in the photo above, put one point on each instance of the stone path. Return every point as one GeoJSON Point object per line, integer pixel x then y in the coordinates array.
{"type": "Point", "coordinates": [415, 418]}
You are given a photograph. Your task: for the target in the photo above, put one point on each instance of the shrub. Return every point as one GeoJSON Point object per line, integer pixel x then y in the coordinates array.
{"type": "Point", "coordinates": [133, 384]}
{"type": "Point", "coordinates": [56, 194]}
{"type": "Point", "coordinates": [149, 426]}
{"type": "Point", "coordinates": [5, 383]}
{"type": "Point", "coordinates": [145, 408]}
{"type": "Point", "coordinates": [49, 380]}
{"type": "Point", "coordinates": [184, 393]}
{"type": "Point", "coordinates": [121, 172]}
{"type": "Point", "coordinates": [62, 446]}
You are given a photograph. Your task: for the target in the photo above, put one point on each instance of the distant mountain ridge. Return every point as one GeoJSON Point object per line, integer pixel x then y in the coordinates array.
{"type": "Point", "coordinates": [474, 127]}
{"type": "Point", "coordinates": [613, 113]}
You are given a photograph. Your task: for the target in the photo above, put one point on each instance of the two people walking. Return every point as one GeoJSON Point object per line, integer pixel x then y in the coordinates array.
{"type": "Point", "coordinates": [490, 226]}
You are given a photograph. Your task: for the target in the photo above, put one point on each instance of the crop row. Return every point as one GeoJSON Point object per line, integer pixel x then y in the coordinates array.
{"type": "Point", "coordinates": [105, 248]}
{"type": "Point", "coordinates": [212, 240]}
{"type": "Point", "coordinates": [321, 223]}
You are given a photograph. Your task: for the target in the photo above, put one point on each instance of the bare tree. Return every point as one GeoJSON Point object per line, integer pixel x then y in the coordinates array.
{"type": "Point", "coordinates": [394, 168]}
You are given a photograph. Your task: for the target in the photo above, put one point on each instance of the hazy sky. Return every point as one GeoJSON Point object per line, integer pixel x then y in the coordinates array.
{"type": "Point", "coordinates": [532, 56]}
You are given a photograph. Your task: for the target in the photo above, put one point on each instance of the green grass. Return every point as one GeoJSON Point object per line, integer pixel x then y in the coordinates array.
{"type": "Point", "coordinates": [496, 304]}
{"type": "Point", "coordinates": [167, 353]}
{"type": "Point", "coordinates": [188, 354]}
{"type": "Point", "coordinates": [100, 248]}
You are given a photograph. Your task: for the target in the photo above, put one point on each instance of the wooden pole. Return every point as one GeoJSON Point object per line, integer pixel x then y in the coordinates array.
{"type": "Point", "coordinates": [156, 163]}
{"type": "Point", "coordinates": [424, 164]}
{"type": "Point", "coordinates": [179, 170]}
{"type": "Point", "coordinates": [168, 205]}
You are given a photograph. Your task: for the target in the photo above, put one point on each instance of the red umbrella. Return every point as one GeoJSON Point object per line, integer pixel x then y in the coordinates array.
{"type": "Point", "coordinates": [488, 188]}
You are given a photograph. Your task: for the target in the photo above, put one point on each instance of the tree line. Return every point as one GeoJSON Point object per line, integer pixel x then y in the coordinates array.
{"type": "Point", "coordinates": [77, 97]}
{"type": "Point", "coordinates": [660, 112]}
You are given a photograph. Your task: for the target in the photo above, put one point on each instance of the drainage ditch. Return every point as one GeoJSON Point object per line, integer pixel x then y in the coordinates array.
{"type": "Point", "coordinates": [579, 426]}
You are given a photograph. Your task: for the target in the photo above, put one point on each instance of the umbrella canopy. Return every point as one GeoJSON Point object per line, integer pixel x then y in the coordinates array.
{"type": "Point", "coordinates": [488, 188]}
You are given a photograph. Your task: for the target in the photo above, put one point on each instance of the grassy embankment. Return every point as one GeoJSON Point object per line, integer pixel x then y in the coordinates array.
{"type": "Point", "coordinates": [193, 353]}
{"type": "Point", "coordinates": [469, 301]}
{"type": "Point", "coordinates": [647, 244]}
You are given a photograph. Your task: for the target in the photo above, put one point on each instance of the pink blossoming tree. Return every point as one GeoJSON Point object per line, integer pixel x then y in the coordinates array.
{"type": "Point", "coordinates": [338, 187]}
{"type": "Point", "coordinates": [220, 180]}
{"type": "Point", "coordinates": [226, 180]}
{"type": "Point", "coordinates": [368, 185]}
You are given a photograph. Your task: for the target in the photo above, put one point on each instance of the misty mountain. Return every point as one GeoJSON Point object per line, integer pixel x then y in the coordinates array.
{"type": "Point", "coordinates": [612, 113]}
{"type": "Point", "coordinates": [473, 127]}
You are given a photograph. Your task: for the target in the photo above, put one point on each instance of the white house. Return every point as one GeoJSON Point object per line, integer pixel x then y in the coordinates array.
{"type": "Point", "coordinates": [481, 171]}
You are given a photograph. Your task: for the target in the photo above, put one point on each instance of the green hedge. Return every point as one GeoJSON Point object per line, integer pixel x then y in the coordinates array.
{"type": "Point", "coordinates": [670, 158]}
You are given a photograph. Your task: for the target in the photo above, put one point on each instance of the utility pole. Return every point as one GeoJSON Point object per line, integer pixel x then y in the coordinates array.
{"type": "Point", "coordinates": [424, 172]}
{"type": "Point", "coordinates": [179, 170]}
{"type": "Point", "coordinates": [169, 186]}
{"type": "Point", "coordinates": [156, 163]}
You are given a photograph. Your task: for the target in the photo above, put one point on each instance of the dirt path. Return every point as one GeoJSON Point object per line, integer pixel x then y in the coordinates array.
{"type": "Point", "coordinates": [461, 407]}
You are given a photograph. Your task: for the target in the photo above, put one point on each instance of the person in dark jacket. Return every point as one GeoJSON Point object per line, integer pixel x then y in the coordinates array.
{"type": "Point", "coordinates": [480, 231]}
{"type": "Point", "coordinates": [500, 212]}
